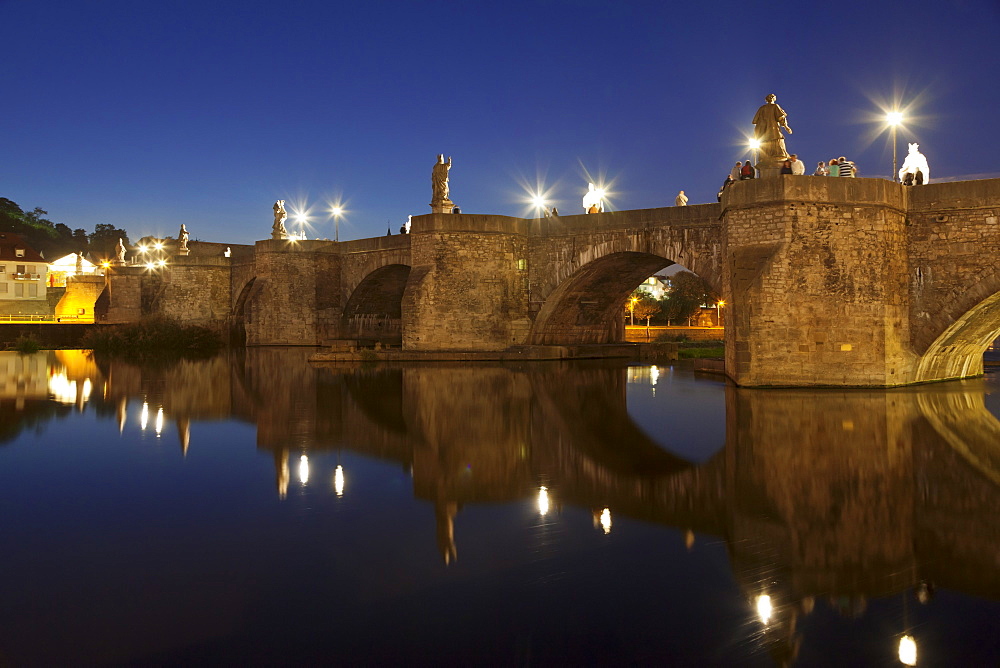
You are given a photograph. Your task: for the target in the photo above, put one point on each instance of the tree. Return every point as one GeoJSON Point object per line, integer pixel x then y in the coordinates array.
{"type": "Point", "coordinates": [646, 308]}
{"type": "Point", "coordinates": [104, 240]}
{"type": "Point", "coordinates": [687, 293]}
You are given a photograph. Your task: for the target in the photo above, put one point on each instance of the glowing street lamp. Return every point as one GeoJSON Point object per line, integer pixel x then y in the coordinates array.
{"type": "Point", "coordinates": [631, 310]}
{"type": "Point", "coordinates": [718, 312]}
{"type": "Point", "coordinates": [754, 145]}
{"type": "Point", "coordinates": [540, 204]}
{"type": "Point", "coordinates": [336, 211]}
{"type": "Point", "coordinates": [894, 118]}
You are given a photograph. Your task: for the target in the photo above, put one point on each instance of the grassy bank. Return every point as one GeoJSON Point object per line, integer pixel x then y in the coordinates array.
{"type": "Point", "coordinates": [158, 336]}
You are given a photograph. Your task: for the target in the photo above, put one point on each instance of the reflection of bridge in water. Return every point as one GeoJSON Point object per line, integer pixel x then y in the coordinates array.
{"type": "Point", "coordinates": [853, 494]}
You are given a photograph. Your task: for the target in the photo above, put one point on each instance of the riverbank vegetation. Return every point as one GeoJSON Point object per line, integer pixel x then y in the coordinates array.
{"type": "Point", "coordinates": [153, 336]}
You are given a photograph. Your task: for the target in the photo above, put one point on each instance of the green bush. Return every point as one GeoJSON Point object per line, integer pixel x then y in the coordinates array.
{"type": "Point", "coordinates": [27, 345]}
{"type": "Point", "coordinates": [157, 335]}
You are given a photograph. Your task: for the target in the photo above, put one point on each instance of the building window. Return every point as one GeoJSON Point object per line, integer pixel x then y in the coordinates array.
{"type": "Point", "coordinates": [19, 289]}
{"type": "Point", "coordinates": [522, 265]}
{"type": "Point", "coordinates": [32, 289]}
{"type": "Point", "coordinates": [18, 252]}
{"type": "Point", "coordinates": [20, 269]}
{"type": "Point", "coordinates": [3, 268]}
{"type": "Point", "coordinates": [3, 288]}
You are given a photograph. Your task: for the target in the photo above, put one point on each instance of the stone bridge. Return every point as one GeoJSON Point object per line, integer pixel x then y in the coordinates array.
{"type": "Point", "coordinates": [849, 282]}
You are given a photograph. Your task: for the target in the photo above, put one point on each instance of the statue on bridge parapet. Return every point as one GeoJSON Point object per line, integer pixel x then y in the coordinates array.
{"type": "Point", "coordinates": [440, 202]}
{"type": "Point", "coordinates": [593, 201]}
{"type": "Point", "coordinates": [183, 237]}
{"type": "Point", "coordinates": [278, 231]}
{"type": "Point", "coordinates": [768, 122]}
{"type": "Point", "coordinates": [915, 171]}
{"type": "Point", "coordinates": [120, 252]}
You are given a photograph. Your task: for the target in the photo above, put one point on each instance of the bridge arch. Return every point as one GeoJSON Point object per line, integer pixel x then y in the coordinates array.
{"type": "Point", "coordinates": [587, 306]}
{"type": "Point", "coordinates": [374, 309]}
{"type": "Point", "coordinates": [958, 351]}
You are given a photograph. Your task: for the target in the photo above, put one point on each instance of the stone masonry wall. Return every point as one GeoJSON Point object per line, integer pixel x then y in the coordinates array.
{"type": "Point", "coordinates": [816, 283]}
{"type": "Point", "coordinates": [196, 291]}
{"type": "Point", "coordinates": [954, 280]}
{"type": "Point", "coordinates": [81, 294]}
{"type": "Point", "coordinates": [466, 289]}
{"type": "Point", "coordinates": [296, 300]}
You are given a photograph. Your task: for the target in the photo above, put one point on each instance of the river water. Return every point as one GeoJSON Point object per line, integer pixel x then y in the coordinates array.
{"type": "Point", "coordinates": [255, 509]}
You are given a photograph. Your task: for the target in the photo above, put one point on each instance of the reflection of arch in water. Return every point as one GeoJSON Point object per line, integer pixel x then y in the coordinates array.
{"type": "Point", "coordinates": [374, 309]}
{"type": "Point", "coordinates": [587, 306]}
{"type": "Point", "coordinates": [960, 417]}
{"type": "Point", "coordinates": [588, 407]}
{"type": "Point", "coordinates": [379, 395]}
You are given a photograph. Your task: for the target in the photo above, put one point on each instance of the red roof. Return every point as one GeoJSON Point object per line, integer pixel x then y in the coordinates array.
{"type": "Point", "coordinates": [10, 243]}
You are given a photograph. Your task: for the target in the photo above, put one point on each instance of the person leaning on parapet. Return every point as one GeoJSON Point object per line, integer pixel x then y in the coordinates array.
{"type": "Point", "coordinates": [798, 167]}
{"type": "Point", "coordinates": [821, 169]}
{"type": "Point", "coordinates": [833, 168]}
{"type": "Point", "coordinates": [847, 168]}
{"type": "Point", "coordinates": [746, 172]}
{"type": "Point", "coordinates": [681, 199]}
{"type": "Point", "coordinates": [735, 172]}
{"type": "Point", "coordinates": [725, 184]}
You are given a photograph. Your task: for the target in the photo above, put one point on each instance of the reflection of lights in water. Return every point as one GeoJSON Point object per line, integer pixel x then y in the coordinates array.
{"type": "Point", "coordinates": [159, 420]}
{"type": "Point", "coordinates": [654, 374]}
{"type": "Point", "coordinates": [606, 520]}
{"type": "Point", "coordinates": [62, 389]}
{"type": "Point", "coordinates": [144, 415]}
{"type": "Point", "coordinates": [338, 480]}
{"type": "Point", "coordinates": [87, 387]}
{"type": "Point", "coordinates": [908, 651]}
{"type": "Point", "coordinates": [543, 500]}
{"type": "Point", "coordinates": [764, 608]}
{"type": "Point", "coordinates": [303, 469]}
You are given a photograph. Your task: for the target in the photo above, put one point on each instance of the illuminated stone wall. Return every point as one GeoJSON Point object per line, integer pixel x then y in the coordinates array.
{"type": "Point", "coordinates": [467, 288]}
{"type": "Point", "coordinates": [196, 290]}
{"type": "Point", "coordinates": [81, 293]}
{"type": "Point", "coordinates": [816, 282]}
{"type": "Point", "coordinates": [954, 279]}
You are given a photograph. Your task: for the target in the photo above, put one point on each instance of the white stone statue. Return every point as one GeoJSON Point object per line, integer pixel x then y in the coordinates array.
{"type": "Point", "coordinates": [229, 252]}
{"type": "Point", "coordinates": [278, 231]}
{"type": "Point", "coordinates": [439, 181]}
{"type": "Point", "coordinates": [409, 222]}
{"type": "Point", "coordinates": [79, 263]}
{"type": "Point", "coordinates": [914, 171]}
{"type": "Point", "coordinates": [593, 201]}
{"type": "Point", "coordinates": [120, 251]}
{"type": "Point", "coordinates": [183, 237]}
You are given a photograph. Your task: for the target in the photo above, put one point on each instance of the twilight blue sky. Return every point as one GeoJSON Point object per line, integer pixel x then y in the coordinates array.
{"type": "Point", "coordinates": [149, 114]}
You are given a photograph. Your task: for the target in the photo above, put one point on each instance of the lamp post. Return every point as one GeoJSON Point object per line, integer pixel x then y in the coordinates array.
{"type": "Point", "coordinates": [631, 311]}
{"type": "Point", "coordinates": [718, 312]}
{"type": "Point", "coordinates": [540, 205]}
{"type": "Point", "coordinates": [754, 145]}
{"type": "Point", "coordinates": [894, 118]}
{"type": "Point", "coordinates": [336, 211]}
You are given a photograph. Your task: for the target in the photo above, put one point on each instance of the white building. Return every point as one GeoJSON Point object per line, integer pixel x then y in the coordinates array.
{"type": "Point", "coordinates": [23, 273]}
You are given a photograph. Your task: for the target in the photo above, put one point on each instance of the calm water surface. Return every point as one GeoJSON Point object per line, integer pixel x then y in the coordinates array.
{"type": "Point", "coordinates": [255, 509]}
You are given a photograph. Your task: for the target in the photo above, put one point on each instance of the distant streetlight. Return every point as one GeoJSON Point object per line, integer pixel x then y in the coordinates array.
{"type": "Point", "coordinates": [754, 145]}
{"type": "Point", "coordinates": [718, 312]}
{"type": "Point", "coordinates": [336, 211]}
{"type": "Point", "coordinates": [631, 310]}
{"type": "Point", "coordinates": [894, 118]}
{"type": "Point", "coordinates": [301, 219]}
{"type": "Point", "coordinates": [540, 204]}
